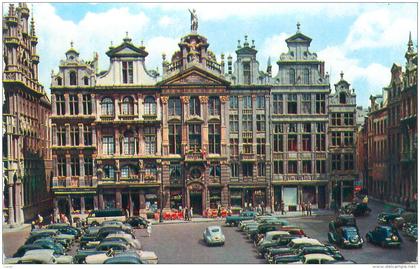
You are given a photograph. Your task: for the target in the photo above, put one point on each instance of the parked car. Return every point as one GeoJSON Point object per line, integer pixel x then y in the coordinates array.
{"type": "Point", "coordinates": [50, 244]}
{"type": "Point", "coordinates": [32, 238]}
{"type": "Point", "coordinates": [25, 248]}
{"type": "Point", "coordinates": [66, 239]}
{"type": "Point", "coordinates": [384, 236]}
{"type": "Point", "coordinates": [234, 220]}
{"type": "Point", "coordinates": [281, 243]}
{"type": "Point", "coordinates": [274, 238]}
{"type": "Point", "coordinates": [344, 236]}
{"type": "Point", "coordinates": [96, 217]}
{"type": "Point", "coordinates": [124, 258]}
{"type": "Point", "coordinates": [137, 222]}
{"type": "Point", "coordinates": [385, 218]}
{"type": "Point", "coordinates": [124, 238]}
{"type": "Point", "coordinates": [105, 231]}
{"type": "Point", "coordinates": [65, 228]}
{"type": "Point", "coordinates": [316, 259]}
{"type": "Point", "coordinates": [295, 244]}
{"type": "Point", "coordinates": [356, 209]}
{"type": "Point", "coordinates": [213, 235]}
{"type": "Point", "coordinates": [40, 256]}
{"type": "Point", "coordinates": [299, 253]}
{"type": "Point", "coordinates": [270, 237]}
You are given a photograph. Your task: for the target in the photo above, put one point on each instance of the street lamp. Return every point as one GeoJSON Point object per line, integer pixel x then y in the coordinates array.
{"type": "Point", "coordinates": [159, 174]}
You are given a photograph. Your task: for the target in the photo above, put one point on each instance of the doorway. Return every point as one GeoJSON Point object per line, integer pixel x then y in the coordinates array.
{"type": "Point", "coordinates": [196, 202]}
{"type": "Point", "coordinates": [321, 197]}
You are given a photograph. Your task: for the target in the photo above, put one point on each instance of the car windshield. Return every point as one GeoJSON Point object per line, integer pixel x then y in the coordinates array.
{"type": "Point", "coordinates": [215, 230]}
{"type": "Point", "coordinates": [350, 232]}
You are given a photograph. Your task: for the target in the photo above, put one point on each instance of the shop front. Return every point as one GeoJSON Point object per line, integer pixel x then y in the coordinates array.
{"type": "Point", "coordinates": [215, 197]}
{"type": "Point", "coordinates": [290, 198]}
{"type": "Point", "coordinates": [245, 197]}
{"type": "Point", "coordinates": [176, 198]}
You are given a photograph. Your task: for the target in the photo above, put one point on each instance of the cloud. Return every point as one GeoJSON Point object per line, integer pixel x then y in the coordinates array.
{"type": "Point", "coordinates": [272, 47]}
{"type": "Point", "coordinates": [166, 21]}
{"type": "Point", "coordinates": [156, 46]}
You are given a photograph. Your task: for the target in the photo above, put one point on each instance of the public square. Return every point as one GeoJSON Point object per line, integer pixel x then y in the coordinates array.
{"type": "Point", "coordinates": [183, 242]}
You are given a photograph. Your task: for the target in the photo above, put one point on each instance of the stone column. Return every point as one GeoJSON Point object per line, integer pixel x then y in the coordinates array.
{"type": "Point", "coordinates": [54, 134]}
{"type": "Point", "coordinates": [11, 212]}
{"type": "Point", "coordinates": [204, 100]}
{"type": "Point", "coordinates": [165, 131]}
{"type": "Point", "coordinates": [82, 170]}
{"type": "Point", "coordinates": [224, 119]}
{"type": "Point", "coordinates": [67, 127]}
{"type": "Point", "coordinates": [55, 203]}
{"type": "Point", "coordinates": [66, 104]}
{"type": "Point", "coordinates": [116, 107]}
{"type": "Point", "coordinates": [101, 200]}
{"type": "Point", "coordinates": [81, 135]}
{"type": "Point", "coordinates": [70, 203]}
{"type": "Point", "coordinates": [184, 139]}
{"type": "Point", "coordinates": [142, 200]}
{"type": "Point", "coordinates": [53, 104]}
{"type": "Point", "coordinates": [95, 202]}
{"type": "Point", "coordinates": [82, 205]}
{"type": "Point", "coordinates": [130, 203]}
{"type": "Point", "coordinates": [94, 107]}
{"type": "Point", "coordinates": [68, 170]}
{"type": "Point", "coordinates": [80, 104]}
{"type": "Point", "coordinates": [140, 106]}
{"type": "Point", "coordinates": [117, 141]}
{"type": "Point", "coordinates": [159, 141]}
{"type": "Point", "coordinates": [118, 199]}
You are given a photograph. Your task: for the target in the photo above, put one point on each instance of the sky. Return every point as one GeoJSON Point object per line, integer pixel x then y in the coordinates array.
{"type": "Point", "coordinates": [361, 39]}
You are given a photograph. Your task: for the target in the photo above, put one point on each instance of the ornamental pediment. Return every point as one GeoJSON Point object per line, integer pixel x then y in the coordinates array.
{"type": "Point", "coordinates": [195, 76]}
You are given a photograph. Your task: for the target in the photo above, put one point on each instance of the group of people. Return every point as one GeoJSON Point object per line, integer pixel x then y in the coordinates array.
{"type": "Point", "coordinates": [306, 208]}
{"type": "Point", "coordinates": [187, 212]}
{"type": "Point", "coordinates": [38, 222]}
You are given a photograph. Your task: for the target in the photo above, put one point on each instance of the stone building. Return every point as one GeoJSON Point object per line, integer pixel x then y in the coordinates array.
{"type": "Point", "coordinates": [26, 111]}
{"type": "Point", "coordinates": [341, 145]}
{"type": "Point", "coordinates": [299, 125]}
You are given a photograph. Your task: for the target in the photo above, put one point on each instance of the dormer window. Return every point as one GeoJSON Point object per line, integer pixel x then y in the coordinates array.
{"type": "Point", "coordinates": [127, 72]}
{"type": "Point", "coordinates": [73, 78]}
{"type": "Point", "coordinates": [86, 81]}
{"type": "Point", "coordinates": [342, 97]}
{"type": "Point", "coordinates": [247, 73]}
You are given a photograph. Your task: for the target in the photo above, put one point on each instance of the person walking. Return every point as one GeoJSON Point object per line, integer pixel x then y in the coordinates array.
{"type": "Point", "coordinates": [191, 213]}
{"type": "Point", "coordinates": [302, 206]}
{"type": "Point", "coordinates": [309, 207]}
{"type": "Point", "coordinates": [407, 203]}
{"type": "Point", "coordinates": [282, 207]}
{"type": "Point", "coordinates": [219, 211]}
{"type": "Point", "coordinates": [149, 229]}
{"type": "Point", "coordinates": [262, 208]}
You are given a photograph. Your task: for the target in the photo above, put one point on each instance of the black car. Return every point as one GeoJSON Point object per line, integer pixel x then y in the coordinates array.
{"type": "Point", "coordinates": [299, 253]}
{"type": "Point", "coordinates": [138, 222]}
{"type": "Point", "coordinates": [357, 209]}
{"type": "Point", "coordinates": [344, 232]}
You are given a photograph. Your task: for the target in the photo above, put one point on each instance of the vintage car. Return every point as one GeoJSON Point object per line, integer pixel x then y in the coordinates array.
{"type": "Point", "coordinates": [96, 217]}
{"type": "Point", "coordinates": [213, 235]}
{"type": "Point", "coordinates": [65, 239]}
{"type": "Point", "coordinates": [345, 236]}
{"type": "Point", "coordinates": [293, 245]}
{"type": "Point", "coordinates": [25, 248]}
{"type": "Point", "coordinates": [137, 222]}
{"type": "Point", "coordinates": [146, 257]}
{"type": "Point", "coordinates": [40, 256]}
{"type": "Point", "coordinates": [384, 236]}
{"type": "Point", "coordinates": [300, 252]}
{"type": "Point", "coordinates": [117, 224]}
{"type": "Point", "coordinates": [279, 245]}
{"type": "Point", "coordinates": [105, 231]}
{"type": "Point", "coordinates": [124, 258]}
{"type": "Point", "coordinates": [49, 243]}
{"type": "Point", "coordinates": [234, 220]}
{"type": "Point", "coordinates": [243, 223]}
{"type": "Point", "coordinates": [270, 236]}
{"type": "Point", "coordinates": [33, 238]}
{"type": "Point", "coordinates": [122, 237]}
{"type": "Point", "coordinates": [316, 259]}
{"type": "Point", "coordinates": [273, 238]}
{"type": "Point", "coordinates": [385, 218]}
{"type": "Point", "coordinates": [356, 209]}
{"type": "Point", "coordinates": [265, 227]}
{"type": "Point", "coordinates": [65, 228]}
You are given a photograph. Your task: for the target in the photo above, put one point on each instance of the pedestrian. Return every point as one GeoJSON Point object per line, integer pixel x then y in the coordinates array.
{"type": "Point", "coordinates": [259, 209]}
{"type": "Point", "coordinates": [302, 207]}
{"type": "Point", "coordinates": [309, 207]}
{"type": "Point", "coordinates": [40, 220]}
{"type": "Point", "coordinates": [191, 213]}
{"type": "Point", "coordinates": [282, 207]}
{"type": "Point", "coordinates": [262, 208]}
{"type": "Point", "coordinates": [149, 229]}
{"type": "Point", "coordinates": [407, 203]}
{"type": "Point", "coordinates": [52, 218]}
{"type": "Point", "coordinates": [219, 211]}
{"type": "Point", "coordinates": [127, 213]}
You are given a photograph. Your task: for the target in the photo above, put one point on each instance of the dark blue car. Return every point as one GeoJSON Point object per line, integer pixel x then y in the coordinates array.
{"type": "Point", "coordinates": [384, 236]}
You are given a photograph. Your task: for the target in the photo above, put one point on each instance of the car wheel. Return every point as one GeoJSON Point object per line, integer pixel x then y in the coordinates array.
{"type": "Point", "coordinates": [95, 223]}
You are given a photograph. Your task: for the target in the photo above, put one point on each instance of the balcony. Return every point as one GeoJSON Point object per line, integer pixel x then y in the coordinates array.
{"type": "Point", "coordinates": [150, 117]}
{"type": "Point", "coordinates": [194, 157]}
{"type": "Point", "coordinates": [73, 182]}
{"type": "Point", "coordinates": [107, 117]}
{"type": "Point", "coordinates": [248, 157]}
{"type": "Point", "coordinates": [127, 117]}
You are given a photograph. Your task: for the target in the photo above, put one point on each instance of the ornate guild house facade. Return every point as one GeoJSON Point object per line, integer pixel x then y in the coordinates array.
{"type": "Point", "coordinates": [200, 135]}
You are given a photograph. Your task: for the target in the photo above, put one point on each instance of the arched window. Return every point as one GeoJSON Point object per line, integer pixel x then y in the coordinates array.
{"type": "Point", "coordinates": [174, 106]}
{"type": "Point", "coordinates": [149, 105]}
{"type": "Point", "coordinates": [342, 97]}
{"type": "Point", "coordinates": [73, 78]}
{"type": "Point", "coordinates": [109, 172]}
{"type": "Point", "coordinates": [129, 143]}
{"type": "Point", "coordinates": [86, 81]}
{"type": "Point", "coordinates": [128, 171]}
{"type": "Point", "coordinates": [59, 81]}
{"type": "Point", "coordinates": [306, 76]}
{"type": "Point", "coordinates": [292, 76]}
{"type": "Point", "coordinates": [128, 106]}
{"type": "Point", "coordinates": [214, 105]}
{"type": "Point", "coordinates": [107, 106]}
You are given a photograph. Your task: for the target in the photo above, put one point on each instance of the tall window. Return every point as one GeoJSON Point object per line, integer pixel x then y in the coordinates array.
{"type": "Point", "coordinates": [292, 104]}
{"type": "Point", "coordinates": [62, 167]}
{"type": "Point", "coordinates": [278, 137]}
{"type": "Point", "coordinates": [247, 102]}
{"type": "Point", "coordinates": [292, 167]}
{"type": "Point", "coordinates": [107, 106]}
{"type": "Point", "coordinates": [214, 138]}
{"type": "Point", "coordinates": [348, 138]}
{"type": "Point", "coordinates": [129, 143]}
{"type": "Point", "coordinates": [149, 105]}
{"type": "Point", "coordinates": [194, 106]}
{"type": "Point", "coordinates": [150, 140]}
{"type": "Point", "coordinates": [307, 166]}
{"type": "Point", "coordinates": [306, 142]}
{"type": "Point", "coordinates": [127, 72]}
{"type": "Point", "coordinates": [261, 169]}
{"type": "Point", "coordinates": [174, 138]}
{"type": "Point", "coordinates": [108, 145]}
{"type": "Point", "coordinates": [234, 147]}
{"type": "Point", "coordinates": [306, 103]}
{"type": "Point", "coordinates": [233, 102]}
{"type": "Point", "coordinates": [320, 166]}
{"type": "Point", "coordinates": [174, 106]}
{"type": "Point", "coordinates": [260, 102]}
{"type": "Point", "coordinates": [75, 166]}
{"type": "Point", "coordinates": [247, 143]}
{"type": "Point", "coordinates": [336, 162]}
{"type": "Point", "coordinates": [292, 76]}
{"type": "Point", "coordinates": [342, 97]}
{"type": "Point", "coordinates": [214, 106]}
{"type": "Point", "coordinates": [128, 105]}
{"type": "Point", "coordinates": [233, 123]}
{"type": "Point", "coordinates": [260, 146]}
{"type": "Point", "coordinates": [87, 135]}
{"type": "Point", "coordinates": [74, 105]}
{"type": "Point", "coordinates": [74, 135]}
{"type": "Point", "coordinates": [336, 138]}
{"type": "Point", "coordinates": [260, 123]}
{"type": "Point", "coordinates": [194, 136]}
{"type": "Point", "coordinates": [215, 170]}
{"type": "Point", "coordinates": [247, 169]}
{"type": "Point", "coordinates": [320, 103]}
{"type": "Point", "coordinates": [109, 172]}
{"type": "Point", "coordinates": [336, 119]}
{"type": "Point", "coordinates": [320, 142]}
{"type": "Point", "coordinates": [87, 104]}
{"type": "Point", "coordinates": [278, 167]}
{"type": "Point", "coordinates": [306, 76]}
{"type": "Point", "coordinates": [348, 161]}
{"type": "Point", "coordinates": [306, 127]}
{"type": "Point", "coordinates": [60, 104]}
{"type": "Point", "coordinates": [73, 78]}
{"type": "Point", "coordinates": [88, 166]}
{"type": "Point", "coordinates": [348, 118]}
{"type": "Point", "coordinates": [61, 136]}
{"type": "Point", "coordinates": [247, 73]}
{"type": "Point", "coordinates": [292, 128]}
{"type": "Point", "coordinates": [278, 103]}
{"type": "Point", "coordinates": [234, 170]}
{"type": "Point", "coordinates": [247, 122]}
{"type": "Point", "coordinates": [292, 142]}
{"type": "Point", "coordinates": [128, 171]}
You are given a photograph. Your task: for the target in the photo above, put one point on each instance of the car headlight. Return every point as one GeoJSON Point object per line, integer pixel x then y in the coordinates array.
{"type": "Point", "coordinates": [394, 238]}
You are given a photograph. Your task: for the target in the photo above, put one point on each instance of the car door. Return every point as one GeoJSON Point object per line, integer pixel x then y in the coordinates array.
{"type": "Point", "coordinates": [376, 234]}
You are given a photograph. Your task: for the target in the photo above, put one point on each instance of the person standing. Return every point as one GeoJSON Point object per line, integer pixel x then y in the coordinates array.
{"type": "Point", "coordinates": [302, 207]}
{"type": "Point", "coordinates": [309, 206]}
{"type": "Point", "coordinates": [219, 211]}
{"type": "Point", "coordinates": [191, 213]}
{"type": "Point", "coordinates": [32, 225]}
{"type": "Point", "coordinates": [262, 208]}
{"type": "Point", "coordinates": [149, 229]}
{"type": "Point", "coordinates": [282, 207]}
{"type": "Point", "coordinates": [407, 203]}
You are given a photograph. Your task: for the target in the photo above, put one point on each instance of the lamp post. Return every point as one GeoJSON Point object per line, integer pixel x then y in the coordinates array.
{"type": "Point", "coordinates": [159, 174]}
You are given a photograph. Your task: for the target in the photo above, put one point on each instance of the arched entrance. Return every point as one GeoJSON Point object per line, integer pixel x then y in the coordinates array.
{"type": "Point", "coordinates": [196, 197]}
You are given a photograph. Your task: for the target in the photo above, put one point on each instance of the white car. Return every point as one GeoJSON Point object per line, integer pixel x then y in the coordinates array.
{"type": "Point", "coordinates": [124, 238]}
{"type": "Point", "coordinates": [316, 259]}
{"type": "Point", "coordinates": [213, 235]}
{"type": "Point", "coordinates": [42, 256]}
